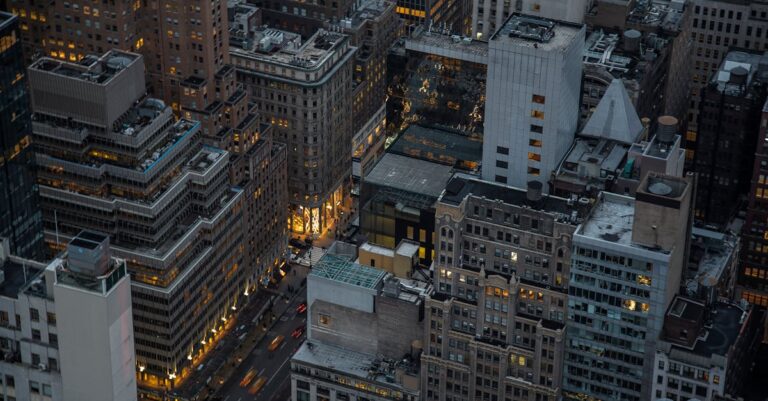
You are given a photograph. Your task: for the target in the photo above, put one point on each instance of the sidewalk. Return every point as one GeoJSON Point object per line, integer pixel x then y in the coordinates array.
{"type": "Point", "coordinates": [259, 315]}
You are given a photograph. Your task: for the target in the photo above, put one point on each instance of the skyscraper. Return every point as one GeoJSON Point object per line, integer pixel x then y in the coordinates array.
{"type": "Point", "coordinates": [626, 268]}
{"type": "Point", "coordinates": [533, 97]}
{"type": "Point", "coordinates": [112, 160]}
{"type": "Point", "coordinates": [727, 131]}
{"type": "Point", "coordinates": [753, 276]}
{"type": "Point", "coordinates": [19, 210]}
{"type": "Point", "coordinates": [716, 26]}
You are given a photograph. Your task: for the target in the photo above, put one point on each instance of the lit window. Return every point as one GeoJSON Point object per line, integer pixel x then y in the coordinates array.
{"type": "Point", "coordinates": [534, 142]}
{"type": "Point", "coordinates": [513, 256]}
{"type": "Point", "coordinates": [325, 320]}
{"type": "Point", "coordinates": [537, 114]}
{"type": "Point", "coordinates": [534, 156]}
{"type": "Point", "coordinates": [538, 99]}
{"type": "Point", "coordinates": [533, 171]}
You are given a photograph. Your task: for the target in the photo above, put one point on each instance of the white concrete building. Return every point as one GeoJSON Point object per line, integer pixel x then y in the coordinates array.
{"type": "Point", "coordinates": [488, 15]}
{"type": "Point", "coordinates": [532, 98]}
{"type": "Point", "coordinates": [66, 329]}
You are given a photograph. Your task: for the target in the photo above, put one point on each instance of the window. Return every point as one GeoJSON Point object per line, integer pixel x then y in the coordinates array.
{"type": "Point", "coordinates": [325, 320]}
{"type": "Point", "coordinates": [36, 334]}
{"type": "Point", "coordinates": [34, 387]}
{"type": "Point", "coordinates": [502, 150]}
{"type": "Point", "coordinates": [534, 142]}
{"type": "Point", "coordinates": [501, 164]}
{"type": "Point", "coordinates": [51, 318]}
{"type": "Point", "coordinates": [53, 339]}
{"type": "Point", "coordinates": [533, 171]}
{"type": "Point", "coordinates": [34, 315]}
{"type": "Point", "coordinates": [537, 114]}
{"type": "Point", "coordinates": [538, 99]}
{"type": "Point", "coordinates": [534, 156]}
{"type": "Point", "coordinates": [538, 129]}
{"type": "Point", "coordinates": [501, 179]}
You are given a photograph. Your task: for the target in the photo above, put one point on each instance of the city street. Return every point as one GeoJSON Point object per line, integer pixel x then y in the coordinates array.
{"type": "Point", "coordinates": [274, 366]}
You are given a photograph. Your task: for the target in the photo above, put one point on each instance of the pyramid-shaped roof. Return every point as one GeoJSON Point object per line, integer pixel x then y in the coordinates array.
{"type": "Point", "coordinates": [615, 117]}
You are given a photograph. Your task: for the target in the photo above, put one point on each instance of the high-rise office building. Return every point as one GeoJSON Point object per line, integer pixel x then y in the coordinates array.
{"type": "Point", "coordinates": [19, 208]}
{"type": "Point", "coordinates": [717, 26]}
{"type": "Point", "coordinates": [487, 16]}
{"type": "Point", "coordinates": [727, 131]}
{"type": "Point", "coordinates": [753, 276]}
{"type": "Point", "coordinates": [372, 27]}
{"type": "Point", "coordinates": [496, 325]}
{"type": "Point", "coordinates": [304, 89]}
{"type": "Point", "coordinates": [72, 313]}
{"type": "Point", "coordinates": [533, 96]}
{"type": "Point", "coordinates": [112, 160]}
{"type": "Point", "coordinates": [628, 258]}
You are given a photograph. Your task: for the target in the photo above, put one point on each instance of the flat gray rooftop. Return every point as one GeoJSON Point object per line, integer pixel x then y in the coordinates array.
{"type": "Point", "coordinates": [542, 33]}
{"type": "Point", "coordinates": [354, 364]}
{"type": "Point", "coordinates": [611, 220]}
{"type": "Point", "coordinates": [409, 174]}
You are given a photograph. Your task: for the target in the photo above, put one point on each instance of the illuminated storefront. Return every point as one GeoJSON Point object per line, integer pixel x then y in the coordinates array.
{"type": "Point", "coordinates": [313, 221]}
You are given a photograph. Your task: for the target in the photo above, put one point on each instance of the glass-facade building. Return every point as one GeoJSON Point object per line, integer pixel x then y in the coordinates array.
{"type": "Point", "coordinates": [435, 91]}
{"type": "Point", "coordinates": [20, 216]}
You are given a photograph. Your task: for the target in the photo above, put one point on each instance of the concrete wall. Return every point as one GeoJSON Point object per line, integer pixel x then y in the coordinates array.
{"type": "Point", "coordinates": [515, 74]}
{"type": "Point", "coordinates": [96, 343]}
{"type": "Point", "coordinates": [563, 10]}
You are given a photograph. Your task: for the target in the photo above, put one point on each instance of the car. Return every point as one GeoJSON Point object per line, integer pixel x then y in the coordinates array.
{"type": "Point", "coordinates": [257, 385]}
{"type": "Point", "coordinates": [301, 308]}
{"type": "Point", "coordinates": [298, 332]}
{"type": "Point", "coordinates": [248, 378]}
{"type": "Point", "coordinates": [276, 342]}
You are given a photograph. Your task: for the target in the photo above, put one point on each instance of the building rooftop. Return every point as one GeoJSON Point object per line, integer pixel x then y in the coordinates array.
{"type": "Point", "coordinates": [611, 219]}
{"type": "Point", "coordinates": [366, 10]}
{"type": "Point", "coordinates": [410, 174]}
{"type": "Point", "coordinates": [541, 33]}
{"type": "Point", "coordinates": [343, 270]}
{"type": "Point", "coordinates": [454, 149]}
{"type": "Point", "coordinates": [739, 70]}
{"type": "Point", "coordinates": [354, 364]}
{"type": "Point", "coordinates": [711, 255]}
{"type": "Point", "coordinates": [98, 70]}
{"type": "Point", "coordinates": [434, 41]}
{"type": "Point", "coordinates": [592, 160]}
{"type": "Point", "coordinates": [719, 325]}
{"type": "Point", "coordinates": [285, 48]}
{"type": "Point", "coordinates": [462, 185]}
{"type": "Point", "coordinates": [667, 15]}
{"type": "Point", "coordinates": [15, 278]}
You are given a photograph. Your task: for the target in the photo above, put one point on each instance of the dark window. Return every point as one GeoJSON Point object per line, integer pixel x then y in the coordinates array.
{"type": "Point", "coordinates": [502, 150]}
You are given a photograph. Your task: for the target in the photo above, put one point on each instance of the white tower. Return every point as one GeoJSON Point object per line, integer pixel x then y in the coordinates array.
{"type": "Point", "coordinates": [532, 103]}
